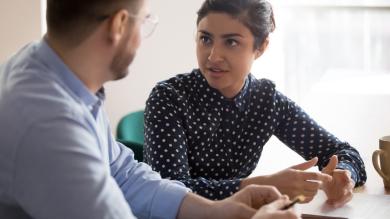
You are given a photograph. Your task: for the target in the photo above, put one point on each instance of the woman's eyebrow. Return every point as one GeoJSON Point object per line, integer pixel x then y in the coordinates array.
{"type": "Point", "coordinates": [229, 35]}
{"type": "Point", "coordinates": [226, 35]}
{"type": "Point", "coordinates": [205, 32]}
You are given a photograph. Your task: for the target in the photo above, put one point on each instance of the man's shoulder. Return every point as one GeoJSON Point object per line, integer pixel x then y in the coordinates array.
{"type": "Point", "coordinates": [28, 89]}
{"type": "Point", "coordinates": [31, 97]}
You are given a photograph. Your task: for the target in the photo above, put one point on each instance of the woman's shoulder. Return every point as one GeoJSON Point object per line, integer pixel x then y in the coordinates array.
{"type": "Point", "coordinates": [179, 82]}
{"type": "Point", "coordinates": [262, 85]}
{"type": "Point", "coordinates": [182, 78]}
{"type": "Point", "coordinates": [178, 85]}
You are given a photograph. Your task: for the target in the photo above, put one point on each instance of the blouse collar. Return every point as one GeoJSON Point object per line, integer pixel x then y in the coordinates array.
{"type": "Point", "coordinates": [209, 94]}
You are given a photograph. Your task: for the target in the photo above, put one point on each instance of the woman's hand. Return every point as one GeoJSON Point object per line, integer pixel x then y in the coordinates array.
{"type": "Point", "coordinates": [293, 181]}
{"type": "Point", "coordinates": [340, 189]}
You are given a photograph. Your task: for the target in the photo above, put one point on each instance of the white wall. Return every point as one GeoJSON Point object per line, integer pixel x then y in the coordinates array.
{"type": "Point", "coordinates": [20, 23]}
{"type": "Point", "coordinates": [169, 51]}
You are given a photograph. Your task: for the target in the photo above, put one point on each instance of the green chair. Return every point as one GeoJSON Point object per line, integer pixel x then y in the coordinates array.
{"type": "Point", "coordinates": [130, 132]}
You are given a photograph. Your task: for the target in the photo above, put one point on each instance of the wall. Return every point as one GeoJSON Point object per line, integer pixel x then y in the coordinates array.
{"type": "Point", "coordinates": [169, 51]}
{"type": "Point", "coordinates": [20, 23]}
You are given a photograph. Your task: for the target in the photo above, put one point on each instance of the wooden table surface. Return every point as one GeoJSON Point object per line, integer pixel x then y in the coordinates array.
{"type": "Point", "coordinates": [374, 184]}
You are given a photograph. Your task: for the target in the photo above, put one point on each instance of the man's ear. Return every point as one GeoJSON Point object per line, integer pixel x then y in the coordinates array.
{"type": "Point", "coordinates": [117, 26]}
{"type": "Point", "coordinates": [262, 48]}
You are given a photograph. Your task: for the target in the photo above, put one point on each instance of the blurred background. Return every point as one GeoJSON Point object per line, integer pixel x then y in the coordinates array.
{"type": "Point", "coordinates": [330, 56]}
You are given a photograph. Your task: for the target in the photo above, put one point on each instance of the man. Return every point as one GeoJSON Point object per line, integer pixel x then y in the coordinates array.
{"type": "Point", "coordinates": [58, 158]}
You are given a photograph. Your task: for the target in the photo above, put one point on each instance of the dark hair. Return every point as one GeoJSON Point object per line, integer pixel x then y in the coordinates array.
{"type": "Point", "coordinates": [256, 15]}
{"type": "Point", "coordinates": [74, 20]}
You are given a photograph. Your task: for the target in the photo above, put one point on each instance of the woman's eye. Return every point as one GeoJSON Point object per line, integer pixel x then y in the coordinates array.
{"type": "Point", "coordinates": [232, 42]}
{"type": "Point", "coordinates": [205, 40]}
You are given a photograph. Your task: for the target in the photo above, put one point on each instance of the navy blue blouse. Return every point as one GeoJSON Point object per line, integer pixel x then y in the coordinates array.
{"type": "Point", "coordinates": [197, 136]}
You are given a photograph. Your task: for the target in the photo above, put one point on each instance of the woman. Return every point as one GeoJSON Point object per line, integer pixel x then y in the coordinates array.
{"type": "Point", "coordinates": [207, 128]}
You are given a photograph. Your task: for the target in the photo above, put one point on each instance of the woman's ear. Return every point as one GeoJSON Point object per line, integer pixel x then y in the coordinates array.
{"type": "Point", "coordinates": [117, 26]}
{"type": "Point", "coordinates": [262, 48]}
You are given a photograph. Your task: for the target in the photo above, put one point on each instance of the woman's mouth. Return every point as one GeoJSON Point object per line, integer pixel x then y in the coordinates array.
{"type": "Point", "coordinates": [216, 72]}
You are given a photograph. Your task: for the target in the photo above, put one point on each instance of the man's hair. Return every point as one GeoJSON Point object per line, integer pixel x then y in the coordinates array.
{"type": "Point", "coordinates": [75, 20]}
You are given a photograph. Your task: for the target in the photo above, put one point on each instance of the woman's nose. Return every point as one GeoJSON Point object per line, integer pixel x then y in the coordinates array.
{"type": "Point", "coordinates": [215, 55]}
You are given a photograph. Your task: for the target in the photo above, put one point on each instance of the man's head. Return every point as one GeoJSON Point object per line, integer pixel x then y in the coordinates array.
{"type": "Point", "coordinates": [113, 26]}
{"type": "Point", "coordinates": [75, 20]}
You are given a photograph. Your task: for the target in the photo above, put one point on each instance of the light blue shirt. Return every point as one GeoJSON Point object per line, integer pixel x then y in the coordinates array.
{"type": "Point", "coordinates": [58, 158]}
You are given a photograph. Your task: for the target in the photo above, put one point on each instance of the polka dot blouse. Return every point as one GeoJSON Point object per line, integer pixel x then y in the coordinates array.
{"type": "Point", "coordinates": [197, 136]}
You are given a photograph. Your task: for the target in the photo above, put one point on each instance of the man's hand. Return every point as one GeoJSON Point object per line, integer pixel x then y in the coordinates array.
{"type": "Point", "coordinates": [267, 199]}
{"type": "Point", "coordinates": [340, 189]}
{"type": "Point", "coordinates": [273, 210]}
{"type": "Point", "coordinates": [242, 205]}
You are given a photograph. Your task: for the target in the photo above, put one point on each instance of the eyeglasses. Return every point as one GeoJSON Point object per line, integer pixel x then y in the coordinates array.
{"type": "Point", "coordinates": [149, 23]}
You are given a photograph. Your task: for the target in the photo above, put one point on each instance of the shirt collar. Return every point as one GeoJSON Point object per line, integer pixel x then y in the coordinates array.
{"type": "Point", "coordinates": [58, 67]}
{"type": "Point", "coordinates": [240, 100]}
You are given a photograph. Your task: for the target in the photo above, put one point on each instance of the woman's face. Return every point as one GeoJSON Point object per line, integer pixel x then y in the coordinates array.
{"type": "Point", "coordinates": [224, 47]}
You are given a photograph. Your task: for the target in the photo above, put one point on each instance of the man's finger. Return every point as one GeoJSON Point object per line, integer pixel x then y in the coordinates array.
{"type": "Point", "coordinates": [261, 195]}
{"type": "Point", "coordinates": [279, 204]}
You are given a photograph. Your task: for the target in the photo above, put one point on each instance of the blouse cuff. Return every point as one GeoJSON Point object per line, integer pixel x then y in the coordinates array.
{"type": "Point", "coordinates": [346, 166]}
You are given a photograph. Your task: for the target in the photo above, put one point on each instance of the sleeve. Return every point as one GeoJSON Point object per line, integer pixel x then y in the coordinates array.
{"type": "Point", "coordinates": [166, 145]}
{"type": "Point", "coordinates": [303, 135]}
{"type": "Point", "coordinates": [148, 195]}
{"type": "Point", "coordinates": [60, 173]}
